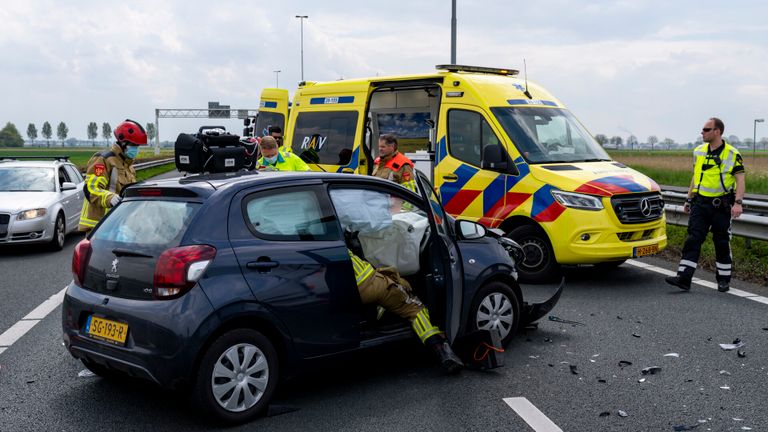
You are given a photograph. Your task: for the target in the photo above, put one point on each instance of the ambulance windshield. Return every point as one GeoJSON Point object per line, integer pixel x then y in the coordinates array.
{"type": "Point", "coordinates": [549, 135]}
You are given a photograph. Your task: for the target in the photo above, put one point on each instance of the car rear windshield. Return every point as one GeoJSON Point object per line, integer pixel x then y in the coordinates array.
{"type": "Point", "coordinates": [26, 179]}
{"type": "Point", "coordinates": [146, 225]}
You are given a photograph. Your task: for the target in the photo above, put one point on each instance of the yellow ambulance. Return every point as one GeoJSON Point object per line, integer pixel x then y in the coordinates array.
{"type": "Point", "coordinates": [499, 150]}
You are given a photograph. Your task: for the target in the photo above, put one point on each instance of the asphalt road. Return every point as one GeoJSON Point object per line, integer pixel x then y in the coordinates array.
{"type": "Point", "coordinates": [400, 388]}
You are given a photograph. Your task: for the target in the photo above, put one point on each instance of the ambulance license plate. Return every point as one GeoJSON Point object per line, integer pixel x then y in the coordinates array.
{"type": "Point", "coordinates": [106, 330]}
{"type": "Point", "coordinates": [645, 250]}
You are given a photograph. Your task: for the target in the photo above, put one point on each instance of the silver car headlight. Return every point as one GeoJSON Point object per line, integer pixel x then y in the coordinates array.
{"type": "Point", "coordinates": [577, 200]}
{"type": "Point", "coordinates": [31, 214]}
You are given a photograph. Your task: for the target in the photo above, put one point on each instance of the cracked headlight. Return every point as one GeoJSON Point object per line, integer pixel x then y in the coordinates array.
{"type": "Point", "coordinates": [577, 200]}
{"type": "Point", "coordinates": [31, 214]}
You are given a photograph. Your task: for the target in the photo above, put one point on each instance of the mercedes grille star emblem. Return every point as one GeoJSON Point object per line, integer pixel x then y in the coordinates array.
{"type": "Point", "coordinates": [645, 207]}
{"type": "Point", "coordinates": [114, 263]}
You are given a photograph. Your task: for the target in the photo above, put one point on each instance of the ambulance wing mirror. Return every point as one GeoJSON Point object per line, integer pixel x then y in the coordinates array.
{"type": "Point", "coordinates": [496, 159]}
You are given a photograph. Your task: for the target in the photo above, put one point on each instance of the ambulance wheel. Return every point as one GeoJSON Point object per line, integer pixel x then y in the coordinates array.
{"type": "Point", "coordinates": [496, 307]}
{"type": "Point", "coordinates": [539, 265]}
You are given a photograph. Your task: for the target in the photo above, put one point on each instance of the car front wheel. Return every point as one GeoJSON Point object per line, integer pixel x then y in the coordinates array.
{"type": "Point", "coordinates": [59, 234]}
{"type": "Point", "coordinates": [496, 307]}
{"type": "Point", "coordinates": [237, 376]}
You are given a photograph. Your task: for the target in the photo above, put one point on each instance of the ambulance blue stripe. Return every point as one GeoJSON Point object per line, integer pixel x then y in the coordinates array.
{"type": "Point", "coordinates": [442, 151]}
{"type": "Point", "coordinates": [626, 183]}
{"type": "Point", "coordinates": [542, 199]}
{"type": "Point", "coordinates": [266, 104]}
{"type": "Point", "coordinates": [331, 100]}
{"type": "Point", "coordinates": [531, 102]}
{"type": "Point", "coordinates": [493, 193]}
{"type": "Point", "coordinates": [465, 173]}
{"type": "Point", "coordinates": [524, 169]}
{"type": "Point", "coordinates": [353, 162]}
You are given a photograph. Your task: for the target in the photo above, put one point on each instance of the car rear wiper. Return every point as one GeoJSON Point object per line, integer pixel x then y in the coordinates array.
{"type": "Point", "coordinates": [127, 252]}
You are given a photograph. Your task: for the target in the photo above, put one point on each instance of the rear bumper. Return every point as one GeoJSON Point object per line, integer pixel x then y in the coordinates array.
{"type": "Point", "coordinates": [163, 337]}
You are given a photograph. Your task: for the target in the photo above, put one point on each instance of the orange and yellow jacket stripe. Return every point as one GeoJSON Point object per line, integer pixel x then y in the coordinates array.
{"type": "Point", "coordinates": [108, 173]}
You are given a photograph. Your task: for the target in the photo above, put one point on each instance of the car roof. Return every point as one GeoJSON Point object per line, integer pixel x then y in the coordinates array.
{"type": "Point", "coordinates": [206, 184]}
{"type": "Point", "coordinates": [32, 164]}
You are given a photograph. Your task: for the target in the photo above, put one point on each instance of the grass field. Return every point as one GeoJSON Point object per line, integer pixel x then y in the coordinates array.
{"type": "Point", "coordinates": [676, 168]}
{"type": "Point", "coordinates": [78, 155]}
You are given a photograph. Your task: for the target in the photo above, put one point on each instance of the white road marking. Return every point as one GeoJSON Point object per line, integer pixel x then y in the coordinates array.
{"type": "Point", "coordinates": [528, 412]}
{"type": "Point", "coordinates": [697, 281]}
{"type": "Point", "coordinates": [13, 334]}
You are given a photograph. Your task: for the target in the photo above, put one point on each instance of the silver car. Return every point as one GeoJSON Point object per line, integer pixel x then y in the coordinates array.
{"type": "Point", "coordinates": [40, 201]}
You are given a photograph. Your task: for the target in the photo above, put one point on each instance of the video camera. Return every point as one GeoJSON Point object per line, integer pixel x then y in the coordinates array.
{"type": "Point", "coordinates": [212, 149]}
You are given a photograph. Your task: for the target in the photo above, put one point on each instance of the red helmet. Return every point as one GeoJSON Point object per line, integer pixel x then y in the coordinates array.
{"type": "Point", "coordinates": [132, 132]}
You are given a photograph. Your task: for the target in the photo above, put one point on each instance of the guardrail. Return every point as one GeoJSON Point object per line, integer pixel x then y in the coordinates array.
{"type": "Point", "coordinates": [151, 164]}
{"type": "Point", "coordinates": [753, 223]}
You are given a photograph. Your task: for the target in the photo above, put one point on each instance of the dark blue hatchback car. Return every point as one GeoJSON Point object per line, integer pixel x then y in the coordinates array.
{"type": "Point", "coordinates": [226, 282]}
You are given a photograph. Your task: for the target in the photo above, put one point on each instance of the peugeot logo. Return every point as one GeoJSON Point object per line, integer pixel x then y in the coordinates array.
{"type": "Point", "coordinates": [645, 207]}
{"type": "Point", "coordinates": [114, 263]}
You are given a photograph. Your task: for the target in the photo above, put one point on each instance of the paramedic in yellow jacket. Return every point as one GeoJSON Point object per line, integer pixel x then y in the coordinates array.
{"type": "Point", "coordinates": [385, 287]}
{"type": "Point", "coordinates": [273, 158]}
{"type": "Point", "coordinates": [109, 172]}
{"type": "Point", "coordinates": [392, 165]}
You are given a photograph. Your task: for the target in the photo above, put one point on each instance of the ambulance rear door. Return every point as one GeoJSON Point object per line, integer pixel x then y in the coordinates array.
{"type": "Point", "coordinates": [273, 110]}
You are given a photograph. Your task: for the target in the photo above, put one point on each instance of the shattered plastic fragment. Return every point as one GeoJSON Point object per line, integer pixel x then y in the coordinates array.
{"type": "Point", "coordinates": [619, 317]}
{"type": "Point", "coordinates": [605, 414]}
{"type": "Point", "coordinates": [533, 357]}
{"type": "Point", "coordinates": [573, 369]}
{"type": "Point", "coordinates": [672, 355]}
{"type": "Point", "coordinates": [641, 380]}
{"type": "Point", "coordinates": [86, 373]}
{"type": "Point", "coordinates": [737, 419]}
{"type": "Point", "coordinates": [635, 335]}
{"type": "Point", "coordinates": [623, 413]}
{"type": "Point", "coordinates": [741, 353]}
{"type": "Point", "coordinates": [735, 345]}
{"type": "Point", "coordinates": [623, 363]}
{"type": "Point", "coordinates": [600, 380]}
{"type": "Point", "coordinates": [595, 355]}
{"type": "Point", "coordinates": [546, 339]}
{"type": "Point", "coordinates": [563, 321]}
{"type": "Point", "coordinates": [724, 372]}
{"type": "Point", "coordinates": [746, 428]}
{"type": "Point", "coordinates": [652, 370]}
{"type": "Point", "coordinates": [725, 387]}
{"type": "Point", "coordinates": [685, 428]}
{"type": "Point", "coordinates": [592, 361]}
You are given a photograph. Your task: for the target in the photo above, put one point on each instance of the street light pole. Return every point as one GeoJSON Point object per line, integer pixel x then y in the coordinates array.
{"type": "Point", "coordinates": [301, 20]}
{"type": "Point", "coordinates": [277, 78]}
{"type": "Point", "coordinates": [754, 135]}
{"type": "Point", "coordinates": [453, 32]}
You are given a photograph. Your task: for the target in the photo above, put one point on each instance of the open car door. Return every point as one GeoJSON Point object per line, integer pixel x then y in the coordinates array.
{"type": "Point", "coordinates": [452, 279]}
{"type": "Point", "coordinates": [273, 110]}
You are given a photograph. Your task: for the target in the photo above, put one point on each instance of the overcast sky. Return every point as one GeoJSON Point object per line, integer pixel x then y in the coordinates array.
{"type": "Point", "coordinates": [635, 66]}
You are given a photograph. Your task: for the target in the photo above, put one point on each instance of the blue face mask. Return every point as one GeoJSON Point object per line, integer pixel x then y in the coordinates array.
{"type": "Point", "coordinates": [131, 152]}
{"type": "Point", "coordinates": [270, 160]}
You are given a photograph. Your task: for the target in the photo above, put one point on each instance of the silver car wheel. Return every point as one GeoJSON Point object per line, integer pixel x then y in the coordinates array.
{"type": "Point", "coordinates": [59, 232]}
{"type": "Point", "coordinates": [240, 377]}
{"type": "Point", "coordinates": [495, 312]}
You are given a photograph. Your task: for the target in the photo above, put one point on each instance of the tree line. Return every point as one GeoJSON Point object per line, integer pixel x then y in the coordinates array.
{"type": "Point", "coordinates": [617, 142]}
{"type": "Point", "coordinates": [10, 136]}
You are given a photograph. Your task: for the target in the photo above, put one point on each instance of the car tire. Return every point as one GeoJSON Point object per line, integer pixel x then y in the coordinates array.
{"type": "Point", "coordinates": [222, 385]}
{"type": "Point", "coordinates": [539, 265]}
{"type": "Point", "coordinates": [59, 234]}
{"type": "Point", "coordinates": [496, 306]}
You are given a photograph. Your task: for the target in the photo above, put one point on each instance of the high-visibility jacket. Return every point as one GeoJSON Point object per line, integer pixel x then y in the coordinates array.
{"type": "Point", "coordinates": [397, 168]}
{"type": "Point", "coordinates": [363, 269]}
{"type": "Point", "coordinates": [713, 174]}
{"type": "Point", "coordinates": [108, 173]}
{"type": "Point", "coordinates": [286, 161]}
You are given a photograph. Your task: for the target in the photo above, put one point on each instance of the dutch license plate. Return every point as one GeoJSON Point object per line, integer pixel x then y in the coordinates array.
{"type": "Point", "coordinates": [106, 330]}
{"type": "Point", "coordinates": [645, 250]}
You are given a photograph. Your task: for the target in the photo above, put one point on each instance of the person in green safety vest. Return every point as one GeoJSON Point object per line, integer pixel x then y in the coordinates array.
{"type": "Point", "coordinates": [272, 158]}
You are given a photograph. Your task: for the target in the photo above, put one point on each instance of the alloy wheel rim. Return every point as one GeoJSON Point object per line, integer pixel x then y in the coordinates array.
{"type": "Point", "coordinates": [240, 377]}
{"type": "Point", "coordinates": [495, 313]}
{"type": "Point", "coordinates": [60, 231]}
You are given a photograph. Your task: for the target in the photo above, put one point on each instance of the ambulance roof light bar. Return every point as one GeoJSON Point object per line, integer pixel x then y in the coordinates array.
{"type": "Point", "coordinates": [478, 69]}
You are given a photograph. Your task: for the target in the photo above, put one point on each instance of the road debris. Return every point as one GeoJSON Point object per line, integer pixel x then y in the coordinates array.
{"type": "Point", "coordinates": [725, 387]}
{"type": "Point", "coordinates": [635, 335]}
{"type": "Point", "coordinates": [741, 353]}
{"type": "Point", "coordinates": [737, 343]}
{"type": "Point", "coordinates": [86, 373]}
{"type": "Point", "coordinates": [641, 380]}
{"type": "Point", "coordinates": [605, 414]}
{"type": "Point", "coordinates": [652, 370]}
{"type": "Point", "coordinates": [685, 427]}
{"type": "Point", "coordinates": [623, 413]}
{"type": "Point", "coordinates": [725, 372]}
{"type": "Point", "coordinates": [564, 321]}
{"type": "Point", "coordinates": [672, 355]}
{"type": "Point", "coordinates": [573, 369]}
{"type": "Point", "coordinates": [601, 380]}
{"type": "Point", "coordinates": [623, 363]}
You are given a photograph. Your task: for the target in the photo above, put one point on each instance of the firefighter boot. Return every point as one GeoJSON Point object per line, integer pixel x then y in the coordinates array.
{"type": "Point", "coordinates": [450, 362]}
{"type": "Point", "coordinates": [679, 282]}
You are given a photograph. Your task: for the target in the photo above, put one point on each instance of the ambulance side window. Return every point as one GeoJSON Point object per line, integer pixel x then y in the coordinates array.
{"type": "Point", "coordinates": [325, 137]}
{"type": "Point", "coordinates": [468, 135]}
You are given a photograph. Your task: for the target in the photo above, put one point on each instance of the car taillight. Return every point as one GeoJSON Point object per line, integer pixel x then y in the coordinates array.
{"type": "Point", "coordinates": [178, 269]}
{"type": "Point", "coordinates": [80, 261]}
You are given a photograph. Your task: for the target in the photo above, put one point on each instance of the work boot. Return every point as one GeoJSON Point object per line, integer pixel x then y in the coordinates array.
{"type": "Point", "coordinates": [450, 362]}
{"type": "Point", "coordinates": [722, 286]}
{"type": "Point", "coordinates": [679, 282]}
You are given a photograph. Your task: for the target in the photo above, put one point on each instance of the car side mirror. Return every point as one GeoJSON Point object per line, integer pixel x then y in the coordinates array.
{"type": "Point", "coordinates": [469, 230]}
{"type": "Point", "coordinates": [68, 186]}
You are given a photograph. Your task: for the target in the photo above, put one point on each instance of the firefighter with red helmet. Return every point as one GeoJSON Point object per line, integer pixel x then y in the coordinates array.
{"type": "Point", "coordinates": [109, 172]}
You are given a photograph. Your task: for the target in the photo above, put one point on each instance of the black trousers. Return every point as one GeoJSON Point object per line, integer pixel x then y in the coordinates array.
{"type": "Point", "coordinates": [706, 217]}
